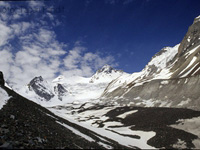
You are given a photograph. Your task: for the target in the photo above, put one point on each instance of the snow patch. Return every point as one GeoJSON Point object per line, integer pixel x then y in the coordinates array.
{"type": "Point", "coordinates": [3, 97]}
{"type": "Point", "coordinates": [184, 102]}
{"type": "Point", "coordinates": [77, 132]}
{"type": "Point", "coordinates": [197, 19]}
{"type": "Point", "coordinates": [164, 82]}
{"type": "Point", "coordinates": [191, 62]}
{"type": "Point", "coordinates": [127, 113]}
{"type": "Point", "coordinates": [191, 126]}
{"type": "Point", "coordinates": [191, 51]}
{"type": "Point", "coordinates": [180, 144]}
{"type": "Point", "coordinates": [113, 123]}
{"type": "Point", "coordinates": [189, 39]}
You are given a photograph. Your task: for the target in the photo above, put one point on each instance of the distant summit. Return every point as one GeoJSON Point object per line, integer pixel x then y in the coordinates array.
{"type": "Point", "coordinates": [107, 69]}
{"type": "Point", "coordinates": [106, 74]}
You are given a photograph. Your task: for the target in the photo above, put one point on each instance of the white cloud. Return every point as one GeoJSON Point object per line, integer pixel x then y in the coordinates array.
{"type": "Point", "coordinates": [84, 63]}
{"type": "Point", "coordinates": [38, 52]}
{"type": "Point", "coordinates": [73, 58]}
{"type": "Point", "coordinates": [35, 4]}
{"type": "Point", "coordinates": [20, 28]}
{"type": "Point", "coordinates": [6, 61]}
{"type": "Point", "coordinates": [5, 34]}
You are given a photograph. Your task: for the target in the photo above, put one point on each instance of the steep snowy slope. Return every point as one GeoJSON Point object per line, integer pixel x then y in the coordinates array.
{"type": "Point", "coordinates": [166, 80]}
{"type": "Point", "coordinates": [158, 68]}
{"type": "Point", "coordinates": [66, 90]}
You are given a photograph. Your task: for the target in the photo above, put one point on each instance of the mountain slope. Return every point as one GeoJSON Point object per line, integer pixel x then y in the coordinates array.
{"type": "Point", "coordinates": [188, 56]}
{"type": "Point", "coordinates": [166, 80]}
{"type": "Point", "coordinates": [25, 124]}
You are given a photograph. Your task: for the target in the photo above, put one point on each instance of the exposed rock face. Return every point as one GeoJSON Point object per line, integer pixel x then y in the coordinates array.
{"type": "Point", "coordinates": [40, 88]}
{"type": "Point", "coordinates": [2, 82]}
{"type": "Point", "coordinates": [191, 39]}
{"type": "Point", "coordinates": [60, 91]}
{"type": "Point", "coordinates": [188, 57]}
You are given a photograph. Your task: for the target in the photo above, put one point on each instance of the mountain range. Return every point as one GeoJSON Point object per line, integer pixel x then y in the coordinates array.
{"type": "Point", "coordinates": [164, 82]}
{"type": "Point", "coordinates": [63, 90]}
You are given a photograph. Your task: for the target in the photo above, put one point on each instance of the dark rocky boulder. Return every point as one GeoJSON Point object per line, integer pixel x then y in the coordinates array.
{"type": "Point", "coordinates": [2, 81]}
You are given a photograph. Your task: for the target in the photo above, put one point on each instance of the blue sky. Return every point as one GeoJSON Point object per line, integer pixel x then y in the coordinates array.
{"type": "Point", "coordinates": [131, 31]}
{"type": "Point", "coordinates": [77, 37]}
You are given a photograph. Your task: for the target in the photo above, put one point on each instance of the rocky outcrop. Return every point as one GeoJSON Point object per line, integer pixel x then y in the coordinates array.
{"type": "Point", "coordinates": [188, 57]}
{"type": "Point", "coordinates": [191, 39]}
{"type": "Point", "coordinates": [60, 91]}
{"type": "Point", "coordinates": [39, 86]}
{"type": "Point", "coordinates": [2, 81]}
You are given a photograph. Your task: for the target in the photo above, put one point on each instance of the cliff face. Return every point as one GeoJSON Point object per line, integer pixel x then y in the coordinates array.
{"type": "Point", "coordinates": [188, 57]}
{"type": "Point", "coordinates": [171, 78]}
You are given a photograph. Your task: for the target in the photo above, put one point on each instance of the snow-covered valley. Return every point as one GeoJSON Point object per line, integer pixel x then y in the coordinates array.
{"type": "Point", "coordinates": [124, 124]}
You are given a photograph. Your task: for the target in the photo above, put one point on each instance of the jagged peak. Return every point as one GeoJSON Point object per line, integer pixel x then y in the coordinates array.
{"type": "Point", "coordinates": [37, 79]}
{"type": "Point", "coordinates": [107, 69]}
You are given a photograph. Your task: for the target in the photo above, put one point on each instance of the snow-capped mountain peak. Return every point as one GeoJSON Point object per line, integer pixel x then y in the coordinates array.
{"type": "Point", "coordinates": [106, 74]}
{"type": "Point", "coordinates": [63, 89]}
{"type": "Point", "coordinates": [107, 69]}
